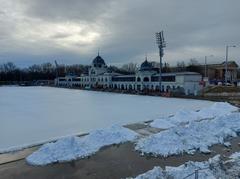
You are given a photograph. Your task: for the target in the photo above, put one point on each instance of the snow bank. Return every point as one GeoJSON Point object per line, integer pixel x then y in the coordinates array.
{"type": "Point", "coordinates": [155, 173]}
{"type": "Point", "coordinates": [183, 171]}
{"type": "Point", "coordinates": [188, 169]}
{"type": "Point", "coordinates": [235, 156]}
{"type": "Point", "coordinates": [197, 135]}
{"type": "Point", "coordinates": [71, 148]}
{"type": "Point", "coordinates": [217, 109]}
{"type": "Point", "coordinates": [183, 116]}
{"type": "Point", "coordinates": [162, 123]}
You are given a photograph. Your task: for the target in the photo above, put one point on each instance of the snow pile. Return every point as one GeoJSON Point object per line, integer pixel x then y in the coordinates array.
{"type": "Point", "coordinates": [231, 167]}
{"type": "Point", "coordinates": [217, 109]}
{"type": "Point", "coordinates": [188, 169]}
{"type": "Point", "coordinates": [235, 156]}
{"type": "Point", "coordinates": [71, 148]}
{"type": "Point", "coordinates": [197, 135]}
{"type": "Point", "coordinates": [155, 173]}
{"type": "Point", "coordinates": [183, 116]}
{"type": "Point", "coordinates": [162, 123]}
{"type": "Point", "coordinates": [182, 171]}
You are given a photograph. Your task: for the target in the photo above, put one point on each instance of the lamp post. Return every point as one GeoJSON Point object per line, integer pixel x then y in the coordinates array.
{"type": "Point", "coordinates": [226, 62]}
{"type": "Point", "coordinates": [205, 69]}
{"type": "Point", "coordinates": [161, 45]}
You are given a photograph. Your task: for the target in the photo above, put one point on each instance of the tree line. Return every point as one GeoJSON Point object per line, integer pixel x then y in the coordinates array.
{"type": "Point", "coordinates": [9, 72]}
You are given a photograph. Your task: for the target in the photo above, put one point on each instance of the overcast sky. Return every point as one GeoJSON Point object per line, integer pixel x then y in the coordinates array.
{"type": "Point", "coordinates": [71, 31]}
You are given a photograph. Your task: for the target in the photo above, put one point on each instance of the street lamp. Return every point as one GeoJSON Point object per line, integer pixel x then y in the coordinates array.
{"type": "Point", "coordinates": [205, 69]}
{"type": "Point", "coordinates": [161, 45]}
{"type": "Point", "coordinates": [226, 62]}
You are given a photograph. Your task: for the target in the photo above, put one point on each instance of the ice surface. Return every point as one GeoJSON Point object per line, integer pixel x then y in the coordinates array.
{"type": "Point", "coordinates": [31, 115]}
{"type": "Point", "coordinates": [72, 148]}
{"type": "Point", "coordinates": [197, 135]}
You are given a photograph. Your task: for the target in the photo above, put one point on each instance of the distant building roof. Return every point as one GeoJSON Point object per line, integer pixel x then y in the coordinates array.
{"type": "Point", "coordinates": [221, 64]}
{"type": "Point", "coordinates": [98, 60]}
{"type": "Point", "coordinates": [146, 66]}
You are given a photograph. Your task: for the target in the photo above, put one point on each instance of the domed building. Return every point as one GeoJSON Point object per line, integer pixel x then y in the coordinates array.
{"type": "Point", "coordinates": [146, 66]}
{"type": "Point", "coordinates": [98, 66]}
{"type": "Point", "coordinates": [146, 78]}
{"type": "Point", "coordinates": [98, 62]}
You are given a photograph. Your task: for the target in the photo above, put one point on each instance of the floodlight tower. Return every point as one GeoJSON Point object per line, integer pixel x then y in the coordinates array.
{"type": "Point", "coordinates": [161, 45]}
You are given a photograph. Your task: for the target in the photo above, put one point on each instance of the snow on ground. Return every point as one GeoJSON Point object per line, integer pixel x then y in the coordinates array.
{"type": "Point", "coordinates": [182, 171]}
{"type": "Point", "coordinates": [214, 168]}
{"type": "Point", "coordinates": [155, 173]}
{"type": "Point", "coordinates": [72, 148]}
{"type": "Point", "coordinates": [32, 115]}
{"type": "Point", "coordinates": [183, 116]}
{"type": "Point", "coordinates": [197, 135]}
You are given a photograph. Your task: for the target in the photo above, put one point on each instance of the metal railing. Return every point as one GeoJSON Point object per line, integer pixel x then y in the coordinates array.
{"type": "Point", "coordinates": [196, 172]}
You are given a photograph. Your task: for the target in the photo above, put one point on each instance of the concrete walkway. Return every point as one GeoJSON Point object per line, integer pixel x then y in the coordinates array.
{"type": "Point", "coordinates": [118, 161]}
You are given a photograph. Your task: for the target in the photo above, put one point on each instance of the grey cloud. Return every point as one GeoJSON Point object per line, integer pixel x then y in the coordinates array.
{"type": "Point", "coordinates": [128, 27]}
{"type": "Point", "coordinates": [71, 10]}
{"type": "Point", "coordinates": [60, 35]}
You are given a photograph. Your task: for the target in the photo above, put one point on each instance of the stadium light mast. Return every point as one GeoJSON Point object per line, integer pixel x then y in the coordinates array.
{"type": "Point", "coordinates": [161, 45]}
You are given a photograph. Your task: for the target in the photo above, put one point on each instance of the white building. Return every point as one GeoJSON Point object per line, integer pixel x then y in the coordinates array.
{"type": "Point", "coordinates": [146, 78]}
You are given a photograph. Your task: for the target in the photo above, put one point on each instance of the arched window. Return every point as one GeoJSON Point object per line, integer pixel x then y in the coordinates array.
{"type": "Point", "coordinates": [130, 87]}
{"type": "Point", "coordinates": [168, 88]}
{"type": "Point", "coordinates": [146, 79]}
{"type": "Point", "coordinates": [138, 79]}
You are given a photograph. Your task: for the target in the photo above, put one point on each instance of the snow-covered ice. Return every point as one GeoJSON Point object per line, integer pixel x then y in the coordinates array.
{"type": "Point", "coordinates": [31, 115]}
{"type": "Point", "coordinates": [72, 148]}
{"type": "Point", "coordinates": [197, 135]}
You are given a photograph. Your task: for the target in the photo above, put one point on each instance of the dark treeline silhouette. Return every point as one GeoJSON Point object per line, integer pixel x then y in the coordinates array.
{"type": "Point", "coordinates": [46, 71]}
{"type": "Point", "coordinates": [9, 72]}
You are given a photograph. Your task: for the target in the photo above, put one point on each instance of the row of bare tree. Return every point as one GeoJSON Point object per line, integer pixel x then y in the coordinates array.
{"type": "Point", "coordinates": [47, 71]}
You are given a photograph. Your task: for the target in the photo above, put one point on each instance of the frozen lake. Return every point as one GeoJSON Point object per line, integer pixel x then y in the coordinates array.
{"type": "Point", "coordinates": [34, 114]}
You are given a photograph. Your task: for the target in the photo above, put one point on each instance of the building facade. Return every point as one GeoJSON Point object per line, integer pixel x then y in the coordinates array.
{"type": "Point", "coordinates": [216, 72]}
{"type": "Point", "coordinates": [146, 78]}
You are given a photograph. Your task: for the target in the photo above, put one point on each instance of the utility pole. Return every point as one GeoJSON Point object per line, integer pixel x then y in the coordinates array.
{"type": "Point", "coordinates": [205, 68]}
{"type": "Point", "coordinates": [161, 45]}
{"type": "Point", "coordinates": [226, 63]}
{"type": "Point", "coordinates": [56, 72]}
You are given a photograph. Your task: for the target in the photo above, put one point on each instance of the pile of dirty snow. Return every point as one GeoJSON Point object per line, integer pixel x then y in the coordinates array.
{"type": "Point", "coordinates": [197, 135]}
{"type": "Point", "coordinates": [183, 171]}
{"type": "Point", "coordinates": [71, 148]}
{"type": "Point", "coordinates": [183, 116]}
{"type": "Point", "coordinates": [212, 169]}
{"type": "Point", "coordinates": [155, 173]}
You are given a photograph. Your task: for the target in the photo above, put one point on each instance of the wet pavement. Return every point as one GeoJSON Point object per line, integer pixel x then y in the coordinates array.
{"type": "Point", "coordinates": [118, 161]}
